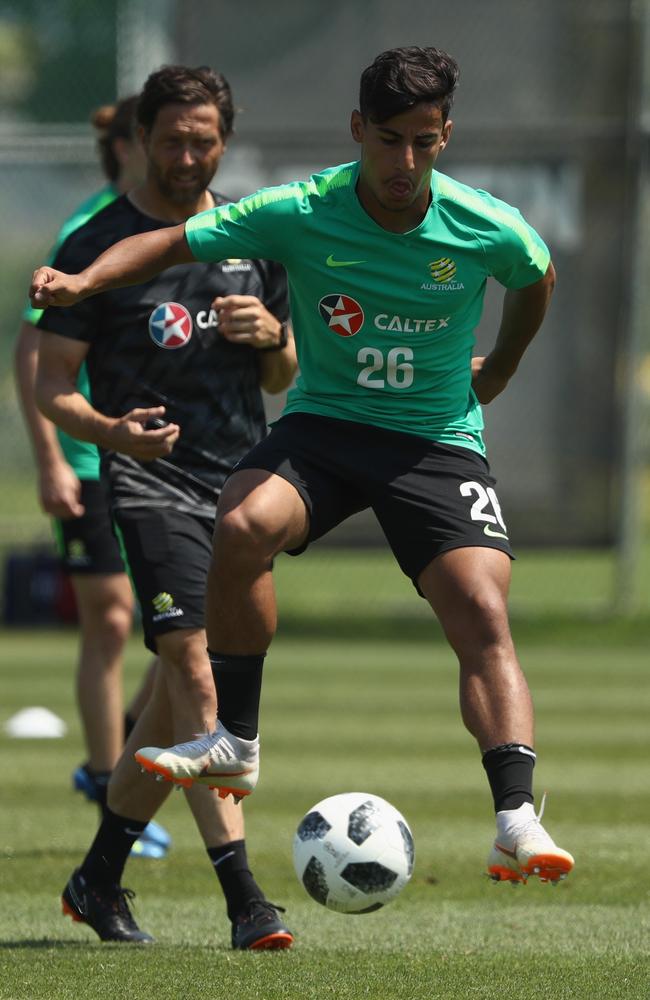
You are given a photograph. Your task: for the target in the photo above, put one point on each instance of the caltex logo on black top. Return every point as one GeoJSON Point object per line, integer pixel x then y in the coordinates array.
{"type": "Point", "coordinates": [170, 326]}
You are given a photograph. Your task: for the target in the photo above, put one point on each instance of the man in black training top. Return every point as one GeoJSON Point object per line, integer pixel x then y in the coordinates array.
{"type": "Point", "coordinates": [175, 367]}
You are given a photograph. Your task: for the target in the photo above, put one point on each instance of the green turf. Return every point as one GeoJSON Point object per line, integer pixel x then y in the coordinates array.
{"type": "Point", "coordinates": [383, 717]}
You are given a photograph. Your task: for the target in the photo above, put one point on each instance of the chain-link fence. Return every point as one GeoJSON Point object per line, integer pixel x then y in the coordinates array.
{"type": "Point", "coordinates": [551, 115]}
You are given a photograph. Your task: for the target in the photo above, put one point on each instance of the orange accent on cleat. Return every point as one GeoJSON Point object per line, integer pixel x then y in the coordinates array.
{"type": "Point", "coordinates": [547, 866]}
{"type": "Point", "coordinates": [499, 874]}
{"type": "Point", "coordinates": [223, 793]}
{"type": "Point", "coordinates": [162, 772]}
{"type": "Point", "coordinates": [69, 912]}
{"type": "Point", "coordinates": [281, 939]}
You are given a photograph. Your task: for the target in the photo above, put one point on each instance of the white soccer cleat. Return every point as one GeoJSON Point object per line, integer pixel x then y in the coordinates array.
{"type": "Point", "coordinates": [219, 760]}
{"type": "Point", "coordinates": [523, 848]}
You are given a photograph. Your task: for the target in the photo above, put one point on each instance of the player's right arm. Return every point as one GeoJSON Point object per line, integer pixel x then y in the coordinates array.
{"type": "Point", "coordinates": [59, 488]}
{"type": "Point", "coordinates": [57, 396]}
{"type": "Point", "coordinates": [129, 262]}
{"type": "Point", "coordinates": [523, 312]}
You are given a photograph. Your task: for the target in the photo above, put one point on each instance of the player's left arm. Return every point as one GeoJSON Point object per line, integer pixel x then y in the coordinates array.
{"type": "Point", "coordinates": [523, 312]}
{"type": "Point", "coordinates": [244, 319]}
{"type": "Point", "coordinates": [129, 262]}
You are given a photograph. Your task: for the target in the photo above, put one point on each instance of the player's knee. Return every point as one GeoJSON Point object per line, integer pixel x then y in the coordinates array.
{"type": "Point", "coordinates": [248, 530]}
{"type": "Point", "coordinates": [115, 623]}
{"type": "Point", "coordinates": [105, 610]}
{"type": "Point", "coordinates": [481, 621]}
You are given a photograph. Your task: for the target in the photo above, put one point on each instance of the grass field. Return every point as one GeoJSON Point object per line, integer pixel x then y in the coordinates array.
{"type": "Point", "coordinates": [339, 715]}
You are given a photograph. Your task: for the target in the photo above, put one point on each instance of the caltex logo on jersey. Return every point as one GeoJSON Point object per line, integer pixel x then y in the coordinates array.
{"type": "Point", "coordinates": [170, 326]}
{"type": "Point", "coordinates": [342, 314]}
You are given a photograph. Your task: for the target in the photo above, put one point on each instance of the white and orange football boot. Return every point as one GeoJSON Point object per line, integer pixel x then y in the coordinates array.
{"type": "Point", "coordinates": [523, 848]}
{"type": "Point", "coordinates": [221, 761]}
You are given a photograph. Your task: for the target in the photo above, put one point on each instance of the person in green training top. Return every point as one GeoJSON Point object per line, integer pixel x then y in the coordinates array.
{"type": "Point", "coordinates": [70, 490]}
{"type": "Point", "coordinates": [387, 261]}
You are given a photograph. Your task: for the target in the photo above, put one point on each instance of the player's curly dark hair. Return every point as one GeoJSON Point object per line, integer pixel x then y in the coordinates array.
{"type": "Point", "coordinates": [399, 79]}
{"type": "Point", "coordinates": [111, 122]}
{"type": "Point", "coordinates": [184, 85]}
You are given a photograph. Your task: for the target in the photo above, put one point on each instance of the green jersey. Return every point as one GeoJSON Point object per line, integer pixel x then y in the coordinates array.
{"type": "Point", "coordinates": [81, 455]}
{"type": "Point", "coordinates": [384, 322]}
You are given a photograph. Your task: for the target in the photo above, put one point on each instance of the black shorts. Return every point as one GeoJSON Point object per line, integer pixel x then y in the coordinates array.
{"type": "Point", "coordinates": [169, 555]}
{"type": "Point", "coordinates": [88, 544]}
{"type": "Point", "coordinates": [428, 497]}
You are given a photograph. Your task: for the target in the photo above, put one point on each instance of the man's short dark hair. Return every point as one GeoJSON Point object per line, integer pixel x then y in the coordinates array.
{"type": "Point", "coordinates": [399, 79]}
{"type": "Point", "coordinates": [183, 85]}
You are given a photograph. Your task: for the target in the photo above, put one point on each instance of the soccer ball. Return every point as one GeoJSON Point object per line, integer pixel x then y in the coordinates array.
{"type": "Point", "coordinates": [353, 852]}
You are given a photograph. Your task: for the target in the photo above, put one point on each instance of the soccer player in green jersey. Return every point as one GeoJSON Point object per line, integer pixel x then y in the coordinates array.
{"type": "Point", "coordinates": [388, 261]}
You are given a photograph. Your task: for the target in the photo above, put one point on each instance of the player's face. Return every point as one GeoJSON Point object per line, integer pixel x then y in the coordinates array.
{"type": "Point", "coordinates": [183, 150]}
{"type": "Point", "coordinates": [397, 158]}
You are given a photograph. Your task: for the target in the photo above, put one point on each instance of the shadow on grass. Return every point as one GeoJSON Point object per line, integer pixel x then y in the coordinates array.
{"type": "Point", "coordinates": [45, 944]}
{"type": "Point", "coordinates": [51, 943]}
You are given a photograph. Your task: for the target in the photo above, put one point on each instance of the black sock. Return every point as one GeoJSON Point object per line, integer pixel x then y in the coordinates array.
{"type": "Point", "coordinates": [237, 882]}
{"type": "Point", "coordinates": [509, 769]}
{"type": "Point", "coordinates": [105, 861]}
{"type": "Point", "coordinates": [129, 723]}
{"type": "Point", "coordinates": [238, 680]}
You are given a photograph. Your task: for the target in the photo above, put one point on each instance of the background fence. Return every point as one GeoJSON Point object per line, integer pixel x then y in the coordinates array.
{"type": "Point", "coordinates": [552, 115]}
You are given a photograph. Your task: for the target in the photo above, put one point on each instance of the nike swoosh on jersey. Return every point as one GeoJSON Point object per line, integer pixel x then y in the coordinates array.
{"type": "Point", "coordinates": [487, 530]}
{"type": "Point", "coordinates": [342, 263]}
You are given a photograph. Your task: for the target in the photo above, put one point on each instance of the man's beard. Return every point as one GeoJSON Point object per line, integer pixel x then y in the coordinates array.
{"type": "Point", "coordinates": [181, 195]}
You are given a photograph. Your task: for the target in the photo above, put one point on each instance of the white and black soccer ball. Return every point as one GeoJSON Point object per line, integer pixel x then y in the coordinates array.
{"type": "Point", "coordinates": [353, 852]}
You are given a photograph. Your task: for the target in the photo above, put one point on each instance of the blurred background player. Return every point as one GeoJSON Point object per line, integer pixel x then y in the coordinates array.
{"type": "Point", "coordinates": [176, 367]}
{"type": "Point", "coordinates": [71, 491]}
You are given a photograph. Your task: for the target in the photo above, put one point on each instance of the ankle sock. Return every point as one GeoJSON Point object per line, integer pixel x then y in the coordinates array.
{"type": "Point", "coordinates": [507, 819]}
